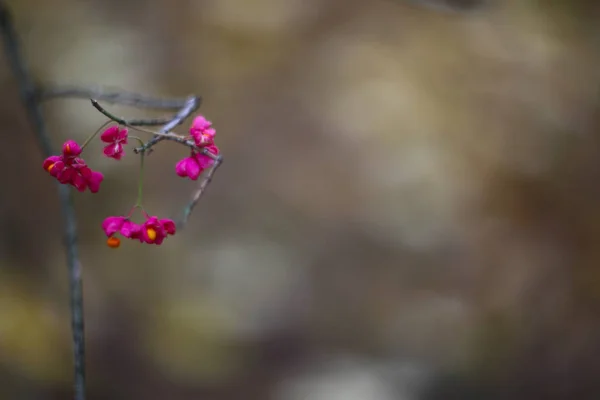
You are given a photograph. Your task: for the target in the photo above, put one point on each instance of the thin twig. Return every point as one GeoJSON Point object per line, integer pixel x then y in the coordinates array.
{"type": "Point", "coordinates": [130, 122]}
{"type": "Point", "coordinates": [191, 105]}
{"type": "Point", "coordinates": [112, 96]}
{"type": "Point", "coordinates": [187, 211]}
{"type": "Point", "coordinates": [148, 122]}
{"type": "Point", "coordinates": [27, 91]}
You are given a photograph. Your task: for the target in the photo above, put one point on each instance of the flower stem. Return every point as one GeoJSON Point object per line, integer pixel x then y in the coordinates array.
{"type": "Point", "coordinates": [137, 138]}
{"type": "Point", "coordinates": [88, 140]}
{"type": "Point", "coordinates": [138, 203]}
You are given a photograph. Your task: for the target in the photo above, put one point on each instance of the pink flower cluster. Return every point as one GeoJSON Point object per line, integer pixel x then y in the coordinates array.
{"type": "Point", "coordinates": [203, 135]}
{"type": "Point", "coordinates": [153, 231]}
{"type": "Point", "coordinates": [69, 168]}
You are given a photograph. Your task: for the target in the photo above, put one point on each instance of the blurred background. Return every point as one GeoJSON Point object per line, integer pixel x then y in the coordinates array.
{"type": "Point", "coordinates": [408, 207]}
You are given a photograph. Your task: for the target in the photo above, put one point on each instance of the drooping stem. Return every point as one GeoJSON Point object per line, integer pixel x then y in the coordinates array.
{"type": "Point", "coordinates": [138, 203]}
{"type": "Point", "coordinates": [89, 139]}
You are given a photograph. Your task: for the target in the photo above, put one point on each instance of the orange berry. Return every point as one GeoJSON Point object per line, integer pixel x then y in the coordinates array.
{"type": "Point", "coordinates": [113, 242]}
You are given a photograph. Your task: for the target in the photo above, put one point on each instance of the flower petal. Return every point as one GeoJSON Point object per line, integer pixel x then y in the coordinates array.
{"type": "Point", "coordinates": [85, 171]}
{"type": "Point", "coordinates": [168, 226]}
{"type": "Point", "coordinates": [131, 230]}
{"type": "Point", "coordinates": [54, 165]}
{"type": "Point", "coordinates": [193, 169]}
{"type": "Point", "coordinates": [180, 167]}
{"type": "Point", "coordinates": [188, 167]}
{"type": "Point", "coordinates": [199, 124]}
{"type": "Point", "coordinates": [114, 150]}
{"type": "Point", "coordinates": [71, 149]}
{"type": "Point", "coordinates": [94, 181]}
{"type": "Point", "coordinates": [50, 161]}
{"type": "Point", "coordinates": [205, 161]}
{"type": "Point", "coordinates": [66, 175]}
{"type": "Point", "coordinates": [122, 136]}
{"type": "Point", "coordinates": [210, 132]}
{"type": "Point", "coordinates": [153, 231]}
{"type": "Point", "coordinates": [110, 134]}
{"type": "Point", "coordinates": [79, 182]}
{"type": "Point", "coordinates": [110, 225]}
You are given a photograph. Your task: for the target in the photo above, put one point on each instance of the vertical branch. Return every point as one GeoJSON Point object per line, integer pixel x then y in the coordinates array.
{"type": "Point", "coordinates": [34, 113]}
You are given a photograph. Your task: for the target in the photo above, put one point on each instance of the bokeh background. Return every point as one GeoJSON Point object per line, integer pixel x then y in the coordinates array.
{"type": "Point", "coordinates": [408, 208]}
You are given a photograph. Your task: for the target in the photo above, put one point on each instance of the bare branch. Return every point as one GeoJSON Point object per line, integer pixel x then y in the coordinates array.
{"type": "Point", "coordinates": [130, 122]}
{"type": "Point", "coordinates": [192, 104]}
{"type": "Point", "coordinates": [27, 89]}
{"type": "Point", "coordinates": [113, 96]}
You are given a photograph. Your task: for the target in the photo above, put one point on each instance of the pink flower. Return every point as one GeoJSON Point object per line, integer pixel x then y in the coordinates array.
{"type": "Point", "coordinates": [122, 225]}
{"type": "Point", "coordinates": [69, 169]}
{"type": "Point", "coordinates": [71, 149]}
{"type": "Point", "coordinates": [92, 178]}
{"type": "Point", "coordinates": [193, 166]}
{"type": "Point", "coordinates": [153, 231]}
{"type": "Point", "coordinates": [200, 124]}
{"type": "Point", "coordinates": [169, 226]}
{"type": "Point", "coordinates": [188, 167]}
{"type": "Point", "coordinates": [201, 131]}
{"type": "Point", "coordinates": [54, 165]}
{"type": "Point", "coordinates": [116, 138]}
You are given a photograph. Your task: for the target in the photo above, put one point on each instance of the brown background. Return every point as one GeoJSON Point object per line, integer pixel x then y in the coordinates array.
{"type": "Point", "coordinates": [408, 209]}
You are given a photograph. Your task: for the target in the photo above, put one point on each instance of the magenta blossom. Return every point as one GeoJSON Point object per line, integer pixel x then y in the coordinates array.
{"type": "Point", "coordinates": [55, 165]}
{"type": "Point", "coordinates": [71, 149]}
{"type": "Point", "coordinates": [80, 176]}
{"type": "Point", "coordinates": [123, 225]}
{"type": "Point", "coordinates": [68, 168]}
{"type": "Point", "coordinates": [155, 230]}
{"type": "Point", "coordinates": [199, 124]}
{"type": "Point", "coordinates": [112, 225]}
{"type": "Point", "coordinates": [116, 138]}
{"type": "Point", "coordinates": [202, 131]}
{"type": "Point", "coordinates": [193, 165]}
